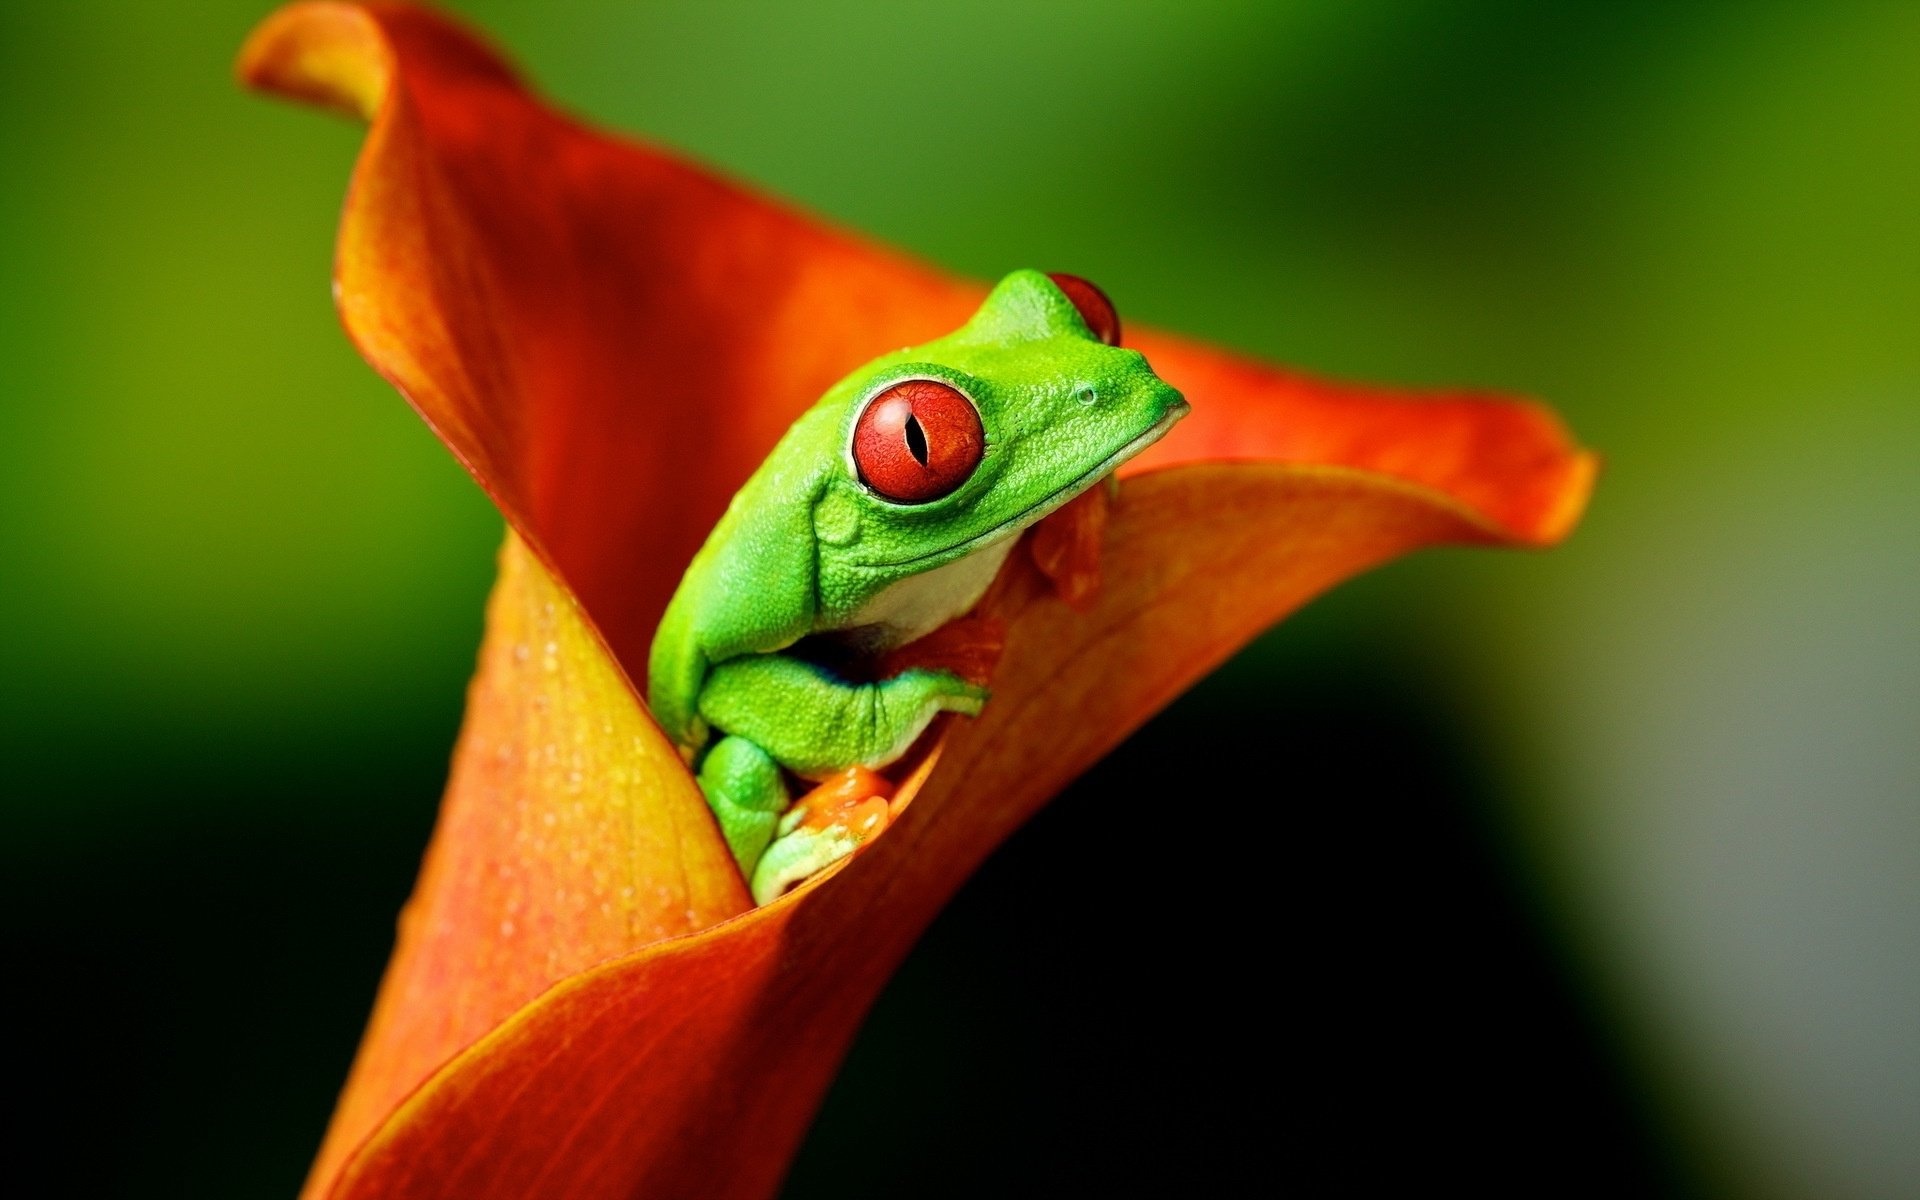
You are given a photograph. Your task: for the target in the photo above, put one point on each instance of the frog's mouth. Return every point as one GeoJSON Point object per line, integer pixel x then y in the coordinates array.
{"type": "Point", "coordinates": [1052, 503]}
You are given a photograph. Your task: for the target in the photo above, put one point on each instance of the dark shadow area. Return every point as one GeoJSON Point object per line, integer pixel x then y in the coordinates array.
{"type": "Point", "coordinates": [184, 1002]}
{"type": "Point", "coordinates": [1269, 939]}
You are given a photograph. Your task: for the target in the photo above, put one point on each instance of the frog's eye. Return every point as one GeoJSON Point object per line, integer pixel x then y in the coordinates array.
{"type": "Point", "coordinates": [918, 441]}
{"type": "Point", "coordinates": [1095, 309]}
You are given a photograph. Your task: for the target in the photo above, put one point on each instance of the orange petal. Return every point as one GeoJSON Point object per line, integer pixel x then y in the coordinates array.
{"type": "Point", "coordinates": [1511, 463]}
{"type": "Point", "coordinates": [570, 834]}
{"type": "Point", "coordinates": [693, 1066]}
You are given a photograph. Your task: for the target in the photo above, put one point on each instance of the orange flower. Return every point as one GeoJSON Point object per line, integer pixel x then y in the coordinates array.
{"type": "Point", "coordinates": [582, 1002]}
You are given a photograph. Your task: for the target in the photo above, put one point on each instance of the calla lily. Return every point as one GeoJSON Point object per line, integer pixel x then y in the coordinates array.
{"type": "Point", "coordinates": [583, 1001]}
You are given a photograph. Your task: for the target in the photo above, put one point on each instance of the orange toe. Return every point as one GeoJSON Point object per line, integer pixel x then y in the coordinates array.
{"type": "Point", "coordinates": [854, 800]}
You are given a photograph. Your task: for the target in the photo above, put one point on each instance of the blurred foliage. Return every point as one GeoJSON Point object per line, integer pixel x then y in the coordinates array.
{"type": "Point", "coordinates": [1605, 859]}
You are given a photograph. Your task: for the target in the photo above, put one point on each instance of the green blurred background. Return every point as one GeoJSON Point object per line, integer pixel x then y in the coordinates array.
{"type": "Point", "coordinates": [1594, 868]}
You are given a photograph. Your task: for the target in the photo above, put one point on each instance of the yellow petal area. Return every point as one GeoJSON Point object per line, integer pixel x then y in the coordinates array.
{"type": "Point", "coordinates": [692, 1067]}
{"type": "Point", "coordinates": [570, 834]}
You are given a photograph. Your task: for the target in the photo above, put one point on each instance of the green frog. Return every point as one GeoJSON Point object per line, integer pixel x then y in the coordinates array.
{"type": "Point", "coordinates": [882, 514]}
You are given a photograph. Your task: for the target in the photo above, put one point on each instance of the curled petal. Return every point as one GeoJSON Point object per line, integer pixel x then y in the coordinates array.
{"type": "Point", "coordinates": [610, 340]}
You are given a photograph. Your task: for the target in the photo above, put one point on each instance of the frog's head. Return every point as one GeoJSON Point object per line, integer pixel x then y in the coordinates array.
{"type": "Point", "coordinates": [957, 444]}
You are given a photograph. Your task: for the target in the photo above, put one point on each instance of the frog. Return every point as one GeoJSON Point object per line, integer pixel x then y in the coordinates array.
{"type": "Point", "coordinates": [882, 514]}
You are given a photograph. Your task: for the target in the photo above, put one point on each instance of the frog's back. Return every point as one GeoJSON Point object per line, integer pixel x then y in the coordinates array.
{"type": "Point", "coordinates": [751, 589]}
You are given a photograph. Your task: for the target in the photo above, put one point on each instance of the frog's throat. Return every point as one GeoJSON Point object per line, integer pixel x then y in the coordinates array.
{"type": "Point", "coordinates": [1045, 508]}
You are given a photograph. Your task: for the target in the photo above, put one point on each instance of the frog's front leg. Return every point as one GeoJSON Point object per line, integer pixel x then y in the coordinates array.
{"type": "Point", "coordinates": [814, 723]}
{"type": "Point", "coordinates": [779, 711]}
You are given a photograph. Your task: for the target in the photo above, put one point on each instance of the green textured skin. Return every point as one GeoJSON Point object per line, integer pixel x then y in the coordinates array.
{"type": "Point", "coordinates": [805, 546]}
{"type": "Point", "coordinates": [742, 785]}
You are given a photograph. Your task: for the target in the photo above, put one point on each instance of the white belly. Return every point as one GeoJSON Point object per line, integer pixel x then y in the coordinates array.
{"type": "Point", "coordinates": [920, 604]}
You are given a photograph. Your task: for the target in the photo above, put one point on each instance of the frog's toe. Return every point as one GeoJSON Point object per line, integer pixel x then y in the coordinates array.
{"type": "Point", "coordinates": [793, 859]}
{"type": "Point", "coordinates": [823, 827]}
{"type": "Point", "coordinates": [834, 799]}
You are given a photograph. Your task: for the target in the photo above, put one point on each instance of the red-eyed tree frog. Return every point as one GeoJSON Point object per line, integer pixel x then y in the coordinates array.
{"type": "Point", "coordinates": [882, 514]}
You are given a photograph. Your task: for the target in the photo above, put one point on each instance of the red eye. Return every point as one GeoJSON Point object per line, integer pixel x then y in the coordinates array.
{"type": "Point", "coordinates": [917, 441]}
{"type": "Point", "coordinates": [1095, 309]}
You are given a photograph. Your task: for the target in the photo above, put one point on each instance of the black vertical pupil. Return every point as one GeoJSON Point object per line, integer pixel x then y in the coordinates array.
{"type": "Point", "coordinates": [916, 440]}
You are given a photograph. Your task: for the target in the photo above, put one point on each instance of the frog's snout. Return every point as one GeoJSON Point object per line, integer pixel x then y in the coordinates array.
{"type": "Point", "coordinates": [1166, 405]}
{"type": "Point", "coordinates": [1153, 411]}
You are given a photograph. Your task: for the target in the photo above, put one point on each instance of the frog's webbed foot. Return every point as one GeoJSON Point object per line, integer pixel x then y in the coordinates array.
{"type": "Point", "coordinates": [1066, 546]}
{"type": "Point", "coordinates": [784, 712]}
{"type": "Point", "coordinates": [823, 827]}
